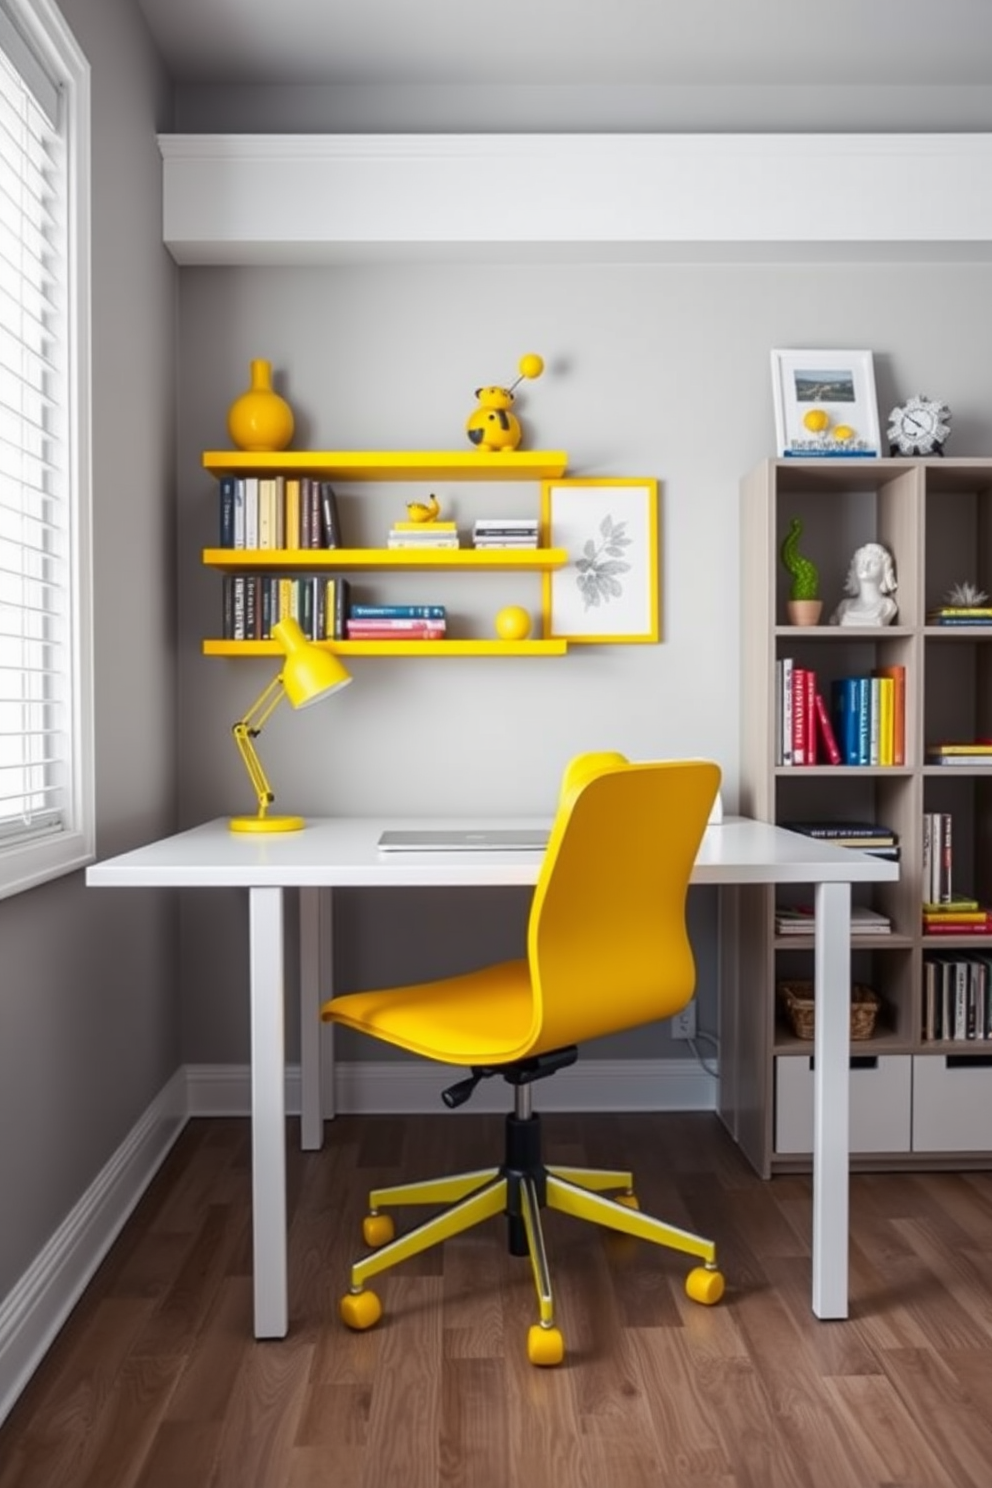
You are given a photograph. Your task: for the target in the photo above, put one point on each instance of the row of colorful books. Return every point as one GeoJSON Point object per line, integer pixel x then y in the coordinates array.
{"type": "Point", "coordinates": [284, 512]}
{"type": "Point", "coordinates": [323, 609]}
{"type": "Point", "coordinates": [864, 725]}
{"type": "Point", "coordinates": [254, 602]}
{"type": "Point", "coordinates": [957, 998]}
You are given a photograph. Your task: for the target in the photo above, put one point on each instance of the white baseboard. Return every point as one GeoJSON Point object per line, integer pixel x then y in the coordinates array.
{"type": "Point", "coordinates": [32, 1314]}
{"type": "Point", "coordinates": [398, 1088]}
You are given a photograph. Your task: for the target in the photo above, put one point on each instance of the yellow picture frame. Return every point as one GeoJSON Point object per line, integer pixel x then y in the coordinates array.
{"type": "Point", "coordinates": [607, 593]}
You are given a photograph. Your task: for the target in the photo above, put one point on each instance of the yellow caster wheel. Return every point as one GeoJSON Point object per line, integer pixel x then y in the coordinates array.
{"type": "Point", "coordinates": [378, 1229]}
{"type": "Point", "coordinates": [704, 1286]}
{"type": "Point", "coordinates": [629, 1201]}
{"type": "Point", "coordinates": [545, 1346]}
{"type": "Point", "coordinates": [360, 1310]}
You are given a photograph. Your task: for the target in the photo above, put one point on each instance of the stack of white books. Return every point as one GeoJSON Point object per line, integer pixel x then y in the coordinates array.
{"type": "Point", "coordinates": [505, 532]}
{"type": "Point", "coordinates": [424, 535]}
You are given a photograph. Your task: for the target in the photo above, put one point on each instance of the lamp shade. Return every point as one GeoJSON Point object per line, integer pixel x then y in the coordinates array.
{"type": "Point", "coordinates": [309, 672]}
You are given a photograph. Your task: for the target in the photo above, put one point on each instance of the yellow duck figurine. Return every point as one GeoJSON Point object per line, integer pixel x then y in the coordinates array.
{"type": "Point", "coordinates": [424, 511]}
{"type": "Point", "coordinates": [492, 426]}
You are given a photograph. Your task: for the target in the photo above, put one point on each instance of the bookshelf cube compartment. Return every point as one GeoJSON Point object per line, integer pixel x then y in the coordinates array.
{"type": "Point", "coordinates": [952, 1103]}
{"type": "Point", "coordinates": [881, 1104]}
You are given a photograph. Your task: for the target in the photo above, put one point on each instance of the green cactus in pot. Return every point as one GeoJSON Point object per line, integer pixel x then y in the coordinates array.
{"type": "Point", "coordinates": [804, 595]}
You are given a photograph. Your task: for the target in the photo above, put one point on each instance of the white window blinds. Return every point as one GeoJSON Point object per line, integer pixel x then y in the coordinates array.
{"type": "Point", "coordinates": [33, 577]}
{"type": "Point", "coordinates": [45, 800]}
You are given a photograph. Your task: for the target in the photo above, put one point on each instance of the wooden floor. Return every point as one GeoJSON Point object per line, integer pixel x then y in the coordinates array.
{"type": "Point", "coordinates": [156, 1381]}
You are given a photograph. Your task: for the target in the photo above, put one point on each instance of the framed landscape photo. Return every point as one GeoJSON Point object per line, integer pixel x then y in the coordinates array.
{"type": "Point", "coordinates": [825, 404]}
{"type": "Point", "coordinates": [608, 590]}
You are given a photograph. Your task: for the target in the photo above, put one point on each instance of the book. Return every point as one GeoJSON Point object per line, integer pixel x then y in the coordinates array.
{"type": "Point", "coordinates": [423, 630]}
{"type": "Point", "coordinates": [397, 612]}
{"type": "Point", "coordinates": [949, 612]}
{"type": "Point", "coordinates": [952, 906]}
{"type": "Point", "coordinates": [843, 694]}
{"type": "Point", "coordinates": [978, 747]}
{"type": "Point", "coordinates": [250, 483]}
{"type": "Point", "coordinates": [292, 521]}
{"type": "Point", "coordinates": [851, 831]}
{"type": "Point", "coordinates": [407, 540]}
{"type": "Point", "coordinates": [425, 527]}
{"type": "Point", "coordinates": [395, 626]}
{"type": "Point", "coordinates": [898, 676]}
{"type": "Point", "coordinates": [826, 731]}
{"type": "Point", "coordinates": [799, 715]}
{"type": "Point", "coordinates": [971, 761]}
{"type": "Point", "coordinates": [227, 490]}
{"type": "Point", "coordinates": [330, 521]}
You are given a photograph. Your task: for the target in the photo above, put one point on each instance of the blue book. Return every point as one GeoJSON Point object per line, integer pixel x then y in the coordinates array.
{"type": "Point", "coordinates": [863, 711]}
{"type": "Point", "coordinates": [397, 612]}
{"type": "Point", "coordinates": [844, 697]}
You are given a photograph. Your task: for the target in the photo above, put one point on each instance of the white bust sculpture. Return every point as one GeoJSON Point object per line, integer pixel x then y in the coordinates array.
{"type": "Point", "coordinates": [871, 581]}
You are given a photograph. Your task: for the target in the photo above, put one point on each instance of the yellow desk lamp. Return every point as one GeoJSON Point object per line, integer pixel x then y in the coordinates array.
{"type": "Point", "coordinates": [308, 674]}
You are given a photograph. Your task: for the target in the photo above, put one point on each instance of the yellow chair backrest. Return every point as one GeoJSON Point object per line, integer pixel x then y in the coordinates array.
{"type": "Point", "coordinates": [607, 942]}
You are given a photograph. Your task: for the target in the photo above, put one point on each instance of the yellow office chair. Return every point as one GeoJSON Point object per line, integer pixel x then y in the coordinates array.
{"type": "Point", "coordinates": [607, 949]}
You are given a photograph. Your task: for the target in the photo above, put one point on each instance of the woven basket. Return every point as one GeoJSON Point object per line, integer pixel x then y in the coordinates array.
{"type": "Point", "coordinates": [797, 1000]}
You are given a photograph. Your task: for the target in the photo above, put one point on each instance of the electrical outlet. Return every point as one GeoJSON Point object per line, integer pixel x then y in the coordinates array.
{"type": "Point", "coordinates": [684, 1023]}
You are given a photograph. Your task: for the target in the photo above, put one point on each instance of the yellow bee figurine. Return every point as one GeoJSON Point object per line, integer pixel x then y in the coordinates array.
{"type": "Point", "coordinates": [492, 426]}
{"type": "Point", "coordinates": [424, 511]}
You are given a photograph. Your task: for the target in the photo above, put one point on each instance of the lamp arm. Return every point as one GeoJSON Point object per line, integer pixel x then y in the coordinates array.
{"type": "Point", "coordinates": [246, 731]}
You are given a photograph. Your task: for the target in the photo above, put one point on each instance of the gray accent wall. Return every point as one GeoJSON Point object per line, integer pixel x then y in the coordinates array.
{"type": "Point", "coordinates": [89, 1020]}
{"type": "Point", "coordinates": [652, 370]}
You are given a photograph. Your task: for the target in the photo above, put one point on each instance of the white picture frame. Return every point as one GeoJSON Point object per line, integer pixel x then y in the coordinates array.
{"type": "Point", "coordinates": [608, 590]}
{"type": "Point", "coordinates": [825, 405]}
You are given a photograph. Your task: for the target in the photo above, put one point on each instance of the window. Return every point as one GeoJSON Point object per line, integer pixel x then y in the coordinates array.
{"type": "Point", "coordinates": [46, 746]}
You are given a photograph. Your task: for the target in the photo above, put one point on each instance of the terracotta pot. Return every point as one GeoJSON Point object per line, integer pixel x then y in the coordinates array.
{"type": "Point", "coordinates": [804, 611]}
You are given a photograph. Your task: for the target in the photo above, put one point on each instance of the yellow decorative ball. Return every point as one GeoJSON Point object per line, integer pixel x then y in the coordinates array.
{"type": "Point", "coordinates": [816, 420]}
{"type": "Point", "coordinates": [531, 365]}
{"type": "Point", "coordinates": [513, 623]}
{"type": "Point", "coordinates": [843, 432]}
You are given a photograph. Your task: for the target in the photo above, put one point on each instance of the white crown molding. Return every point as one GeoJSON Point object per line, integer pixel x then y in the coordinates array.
{"type": "Point", "coordinates": [283, 199]}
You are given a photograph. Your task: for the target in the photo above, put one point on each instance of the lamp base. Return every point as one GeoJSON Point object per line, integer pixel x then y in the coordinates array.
{"type": "Point", "coordinates": [266, 823]}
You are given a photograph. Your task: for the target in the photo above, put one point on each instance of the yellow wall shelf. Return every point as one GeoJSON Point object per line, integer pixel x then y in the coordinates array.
{"type": "Point", "coordinates": [397, 648]}
{"type": "Point", "coordinates": [392, 465]}
{"type": "Point", "coordinates": [500, 559]}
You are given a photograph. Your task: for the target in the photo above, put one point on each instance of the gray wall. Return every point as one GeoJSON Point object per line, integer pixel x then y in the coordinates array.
{"type": "Point", "coordinates": [89, 1026]}
{"type": "Point", "coordinates": [658, 370]}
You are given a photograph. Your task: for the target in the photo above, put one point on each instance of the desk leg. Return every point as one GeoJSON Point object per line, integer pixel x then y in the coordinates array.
{"type": "Point", "coordinates": [268, 1112]}
{"type": "Point", "coordinates": [831, 1157]}
{"type": "Point", "coordinates": [311, 1100]}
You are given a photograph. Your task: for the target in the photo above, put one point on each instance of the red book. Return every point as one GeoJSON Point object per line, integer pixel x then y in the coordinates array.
{"type": "Point", "coordinates": [826, 731]}
{"type": "Point", "coordinates": [985, 929]}
{"type": "Point", "coordinates": [809, 713]}
{"type": "Point", "coordinates": [799, 722]}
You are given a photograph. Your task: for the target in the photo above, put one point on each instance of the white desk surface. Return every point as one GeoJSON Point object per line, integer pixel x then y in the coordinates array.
{"type": "Point", "coordinates": [341, 852]}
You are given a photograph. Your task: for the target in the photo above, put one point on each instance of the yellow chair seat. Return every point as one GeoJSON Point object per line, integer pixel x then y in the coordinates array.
{"type": "Point", "coordinates": [480, 1017]}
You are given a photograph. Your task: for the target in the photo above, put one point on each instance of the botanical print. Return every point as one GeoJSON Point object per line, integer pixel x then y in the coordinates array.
{"type": "Point", "coordinates": [607, 591]}
{"type": "Point", "coordinates": [601, 564]}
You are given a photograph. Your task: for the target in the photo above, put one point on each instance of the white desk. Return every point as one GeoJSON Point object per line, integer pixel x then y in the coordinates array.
{"type": "Point", "coordinates": [342, 853]}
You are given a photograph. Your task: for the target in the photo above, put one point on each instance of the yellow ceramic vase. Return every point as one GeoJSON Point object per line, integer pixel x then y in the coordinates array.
{"type": "Point", "coordinates": [260, 419]}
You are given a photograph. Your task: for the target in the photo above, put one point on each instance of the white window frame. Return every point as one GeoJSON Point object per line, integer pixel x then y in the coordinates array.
{"type": "Point", "coordinates": [26, 864]}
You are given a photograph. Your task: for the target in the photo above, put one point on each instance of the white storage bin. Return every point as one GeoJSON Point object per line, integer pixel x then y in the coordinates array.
{"type": "Point", "coordinates": [952, 1104]}
{"type": "Point", "coordinates": [881, 1103]}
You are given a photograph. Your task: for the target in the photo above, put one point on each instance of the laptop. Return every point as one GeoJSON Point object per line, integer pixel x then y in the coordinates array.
{"type": "Point", "coordinates": [465, 839]}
